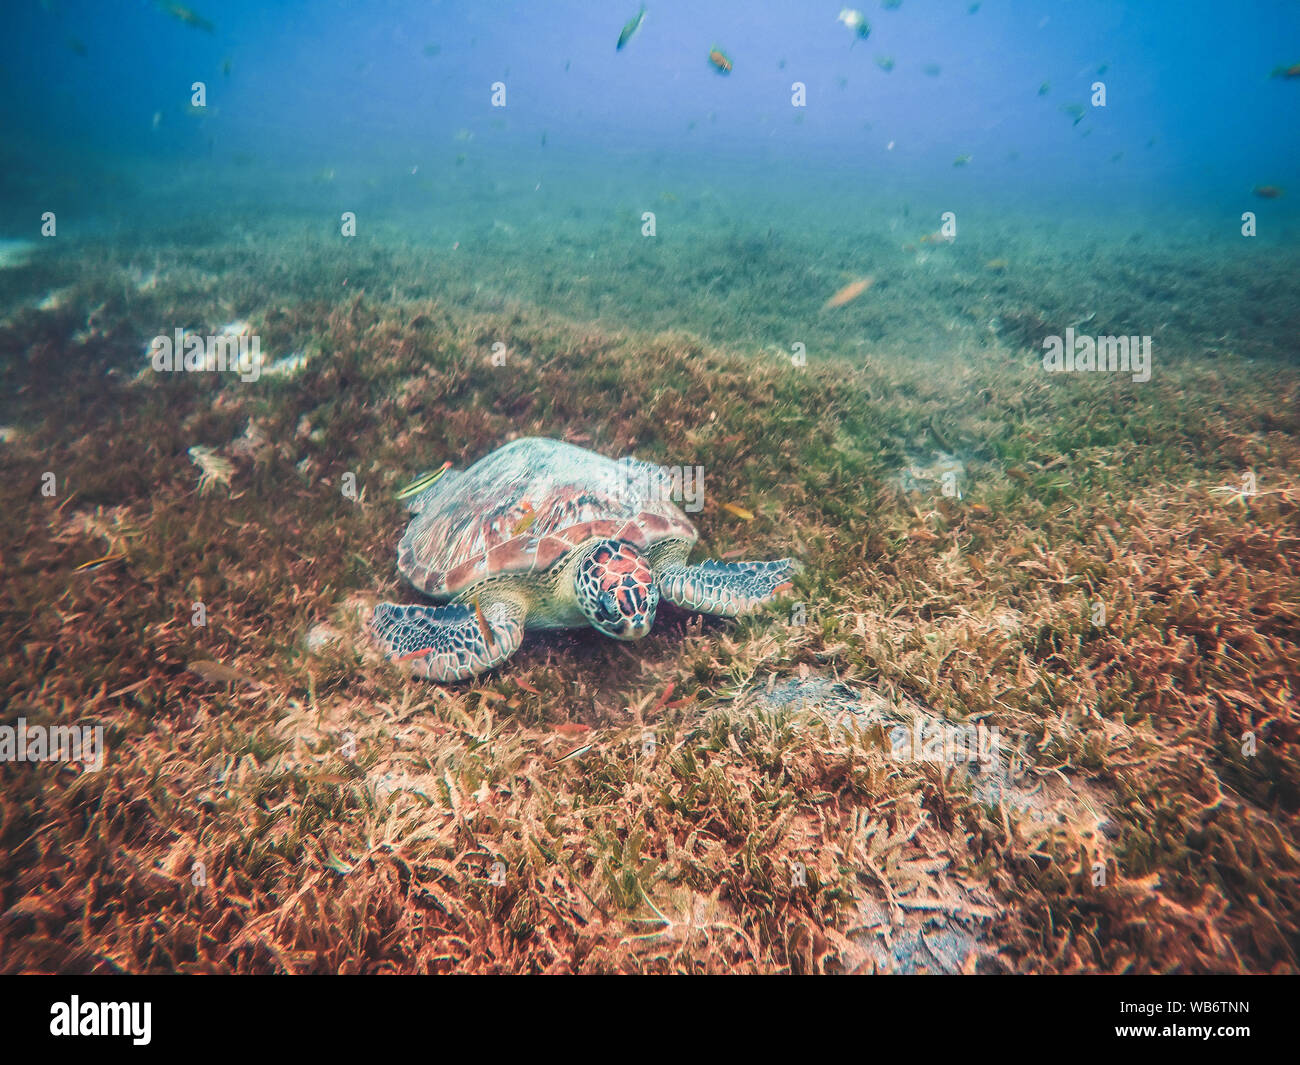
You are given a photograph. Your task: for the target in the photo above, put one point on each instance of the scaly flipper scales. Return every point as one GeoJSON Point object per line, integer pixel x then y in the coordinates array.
{"type": "Point", "coordinates": [727, 588]}
{"type": "Point", "coordinates": [447, 643]}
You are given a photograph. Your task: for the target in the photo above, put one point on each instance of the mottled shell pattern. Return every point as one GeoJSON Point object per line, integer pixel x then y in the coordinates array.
{"type": "Point", "coordinates": [522, 508]}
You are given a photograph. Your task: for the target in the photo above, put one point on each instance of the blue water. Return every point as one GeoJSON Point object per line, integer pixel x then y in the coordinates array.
{"type": "Point", "coordinates": [519, 145]}
{"type": "Point", "coordinates": [390, 102]}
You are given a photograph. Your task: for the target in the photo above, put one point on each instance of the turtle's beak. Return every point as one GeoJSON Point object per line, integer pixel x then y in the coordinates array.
{"type": "Point", "coordinates": [634, 630]}
{"type": "Point", "coordinates": [639, 619]}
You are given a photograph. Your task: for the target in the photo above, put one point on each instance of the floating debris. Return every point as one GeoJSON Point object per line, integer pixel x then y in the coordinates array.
{"type": "Point", "coordinates": [213, 468]}
{"type": "Point", "coordinates": [55, 300]}
{"type": "Point", "coordinates": [15, 253]}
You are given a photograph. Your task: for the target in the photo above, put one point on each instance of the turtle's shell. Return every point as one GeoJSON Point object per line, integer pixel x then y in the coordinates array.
{"type": "Point", "coordinates": [520, 509]}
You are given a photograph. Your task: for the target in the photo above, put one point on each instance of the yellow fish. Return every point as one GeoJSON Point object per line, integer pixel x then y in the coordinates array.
{"type": "Point", "coordinates": [99, 561]}
{"type": "Point", "coordinates": [424, 482]}
{"type": "Point", "coordinates": [526, 522]}
{"type": "Point", "coordinates": [849, 292]}
{"type": "Point", "coordinates": [483, 625]}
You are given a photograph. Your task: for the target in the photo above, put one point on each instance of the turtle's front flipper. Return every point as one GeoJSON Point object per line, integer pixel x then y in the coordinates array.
{"type": "Point", "coordinates": [449, 643]}
{"type": "Point", "coordinates": [728, 588]}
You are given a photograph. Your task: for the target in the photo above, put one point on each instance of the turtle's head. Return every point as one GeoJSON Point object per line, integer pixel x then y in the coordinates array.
{"type": "Point", "coordinates": [616, 590]}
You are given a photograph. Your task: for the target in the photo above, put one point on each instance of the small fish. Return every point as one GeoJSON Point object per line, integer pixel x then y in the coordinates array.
{"type": "Point", "coordinates": [78, 47]}
{"type": "Point", "coordinates": [719, 60]}
{"type": "Point", "coordinates": [1044, 88]}
{"type": "Point", "coordinates": [885, 62]}
{"type": "Point", "coordinates": [932, 70]}
{"type": "Point", "coordinates": [849, 293]}
{"type": "Point", "coordinates": [483, 626]}
{"type": "Point", "coordinates": [630, 30]}
{"type": "Point", "coordinates": [572, 729]}
{"type": "Point", "coordinates": [220, 673]}
{"type": "Point", "coordinates": [1293, 71]}
{"type": "Point", "coordinates": [424, 482]}
{"type": "Point", "coordinates": [100, 561]}
{"type": "Point", "coordinates": [663, 699]}
{"type": "Point", "coordinates": [856, 21]}
{"type": "Point", "coordinates": [1075, 111]}
{"type": "Point", "coordinates": [740, 512]}
{"type": "Point", "coordinates": [578, 753]}
{"type": "Point", "coordinates": [961, 160]}
{"type": "Point", "coordinates": [1269, 192]}
{"type": "Point", "coordinates": [526, 522]}
{"type": "Point", "coordinates": [185, 15]}
{"type": "Point", "coordinates": [996, 265]}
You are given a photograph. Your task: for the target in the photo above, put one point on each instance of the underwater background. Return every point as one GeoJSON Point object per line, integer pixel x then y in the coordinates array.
{"type": "Point", "coordinates": [818, 251]}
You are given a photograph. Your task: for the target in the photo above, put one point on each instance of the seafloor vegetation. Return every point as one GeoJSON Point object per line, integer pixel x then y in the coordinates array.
{"type": "Point", "coordinates": [229, 830]}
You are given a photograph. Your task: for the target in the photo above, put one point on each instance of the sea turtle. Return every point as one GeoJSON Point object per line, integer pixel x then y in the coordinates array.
{"type": "Point", "coordinates": [542, 534]}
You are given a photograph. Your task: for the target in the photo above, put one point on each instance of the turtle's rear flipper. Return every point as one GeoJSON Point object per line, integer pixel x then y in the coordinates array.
{"type": "Point", "coordinates": [727, 588]}
{"type": "Point", "coordinates": [449, 643]}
